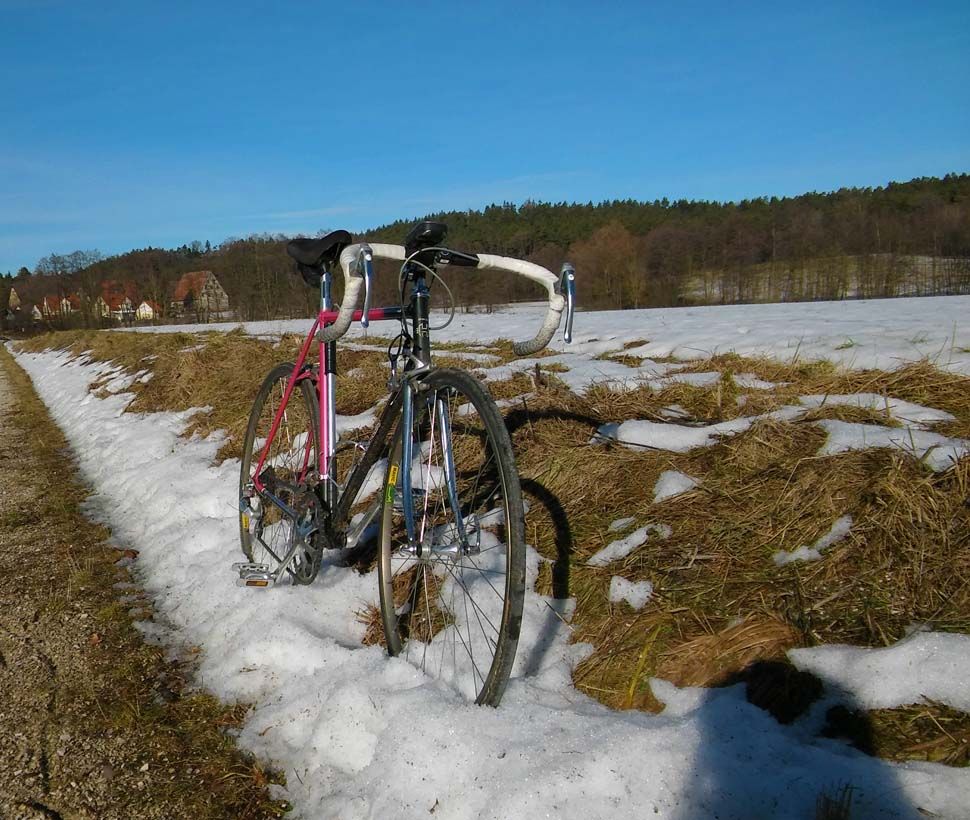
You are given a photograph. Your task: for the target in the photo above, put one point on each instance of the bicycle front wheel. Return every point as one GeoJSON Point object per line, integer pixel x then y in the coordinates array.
{"type": "Point", "coordinates": [451, 596]}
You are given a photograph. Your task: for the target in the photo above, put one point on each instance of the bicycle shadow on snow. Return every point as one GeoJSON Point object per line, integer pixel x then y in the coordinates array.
{"type": "Point", "coordinates": [773, 742]}
{"type": "Point", "coordinates": [556, 611]}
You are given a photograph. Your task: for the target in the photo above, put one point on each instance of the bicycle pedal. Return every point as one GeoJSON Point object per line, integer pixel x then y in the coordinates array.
{"type": "Point", "coordinates": [254, 575]}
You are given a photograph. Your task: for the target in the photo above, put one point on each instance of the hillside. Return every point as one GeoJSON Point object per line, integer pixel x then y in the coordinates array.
{"type": "Point", "coordinates": [909, 238]}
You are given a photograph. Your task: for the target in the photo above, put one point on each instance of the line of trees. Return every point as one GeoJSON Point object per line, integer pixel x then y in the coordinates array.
{"type": "Point", "coordinates": [904, 238]}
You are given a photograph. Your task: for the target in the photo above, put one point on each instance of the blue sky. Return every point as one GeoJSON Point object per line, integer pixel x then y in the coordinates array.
{"type": "Point", "coordinates": [127, 124]}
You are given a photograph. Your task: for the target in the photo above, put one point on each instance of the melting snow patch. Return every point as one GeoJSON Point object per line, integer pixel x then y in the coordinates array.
{"type": "Point", "coordinates": [672, 483]}
{"type": "Point", "coordinates": [635, 593]}
{"type": "Point", "coordinates": [838, 531]}
{"type": "Point", "coordinates": [624, 546]}
{"type": "Point", "coordinates": [912, 414]}
{"type": "Point", "coordinates": [707, 379]}
{"type": "Point", "coordinates": [750, 381]}
{"type": "Point", "coordinates": [621, 524]}
{"type": "Point", "coordinates": [679, 438]}
{"type": "Point", "coordinates": [934, 665]}
{"type": "Point", "coordinates": [674, 411]}
{"type": "Point", "coordinates": [936, 451]}
{"type": "Point", "coordinates": [345, 424]}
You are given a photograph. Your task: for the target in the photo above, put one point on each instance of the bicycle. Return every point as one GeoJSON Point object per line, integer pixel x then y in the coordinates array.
{"type": "Point", "coordinates": [450, 548]}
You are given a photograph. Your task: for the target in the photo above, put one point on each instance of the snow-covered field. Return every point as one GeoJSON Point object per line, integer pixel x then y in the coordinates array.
{"type": "Point", "coordinates": [360, 735]}
{"type": "Point", "coordinates": [859, 334]}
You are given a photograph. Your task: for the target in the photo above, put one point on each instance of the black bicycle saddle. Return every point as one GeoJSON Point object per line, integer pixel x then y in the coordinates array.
{"type": "Point", "coordinates": [319, 253]}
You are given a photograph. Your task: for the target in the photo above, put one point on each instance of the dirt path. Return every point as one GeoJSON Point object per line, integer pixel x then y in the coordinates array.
{"type": "Point", "coordinates": [93, 722]}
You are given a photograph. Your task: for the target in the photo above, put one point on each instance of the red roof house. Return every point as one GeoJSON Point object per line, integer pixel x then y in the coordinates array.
{"type": "Point", "coordinates": [199, 292]}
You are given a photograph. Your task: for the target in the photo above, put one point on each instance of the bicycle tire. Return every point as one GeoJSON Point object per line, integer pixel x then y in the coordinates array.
{"type": "Point", "coordinates": [301, 419]}
{"type": "Point", "coordinates": [477, 596]}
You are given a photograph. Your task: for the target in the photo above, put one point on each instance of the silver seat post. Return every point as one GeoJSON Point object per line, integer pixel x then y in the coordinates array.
{"type": "Point", "coordinates": [328, 389]}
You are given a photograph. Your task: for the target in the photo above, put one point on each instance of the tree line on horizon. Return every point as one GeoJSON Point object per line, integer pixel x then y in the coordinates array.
{"type": "Point", "coordinates": [900, 239]}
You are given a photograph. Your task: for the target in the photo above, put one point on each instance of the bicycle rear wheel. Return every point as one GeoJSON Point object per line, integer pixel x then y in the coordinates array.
{"type": "Point", "coordinates": [451, 600]}
{"type": "Point", "coordinates": [266, 534]}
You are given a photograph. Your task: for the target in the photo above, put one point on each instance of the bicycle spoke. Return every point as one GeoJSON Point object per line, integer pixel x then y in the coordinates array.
{"type": "Point", "coordinates": [461, 494]}
{"type": "Point", "coordinates": [478, 610]}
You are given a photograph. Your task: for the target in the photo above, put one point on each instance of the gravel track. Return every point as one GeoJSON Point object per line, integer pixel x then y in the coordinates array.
{"type": "Point", "coordinates": [73, 742]}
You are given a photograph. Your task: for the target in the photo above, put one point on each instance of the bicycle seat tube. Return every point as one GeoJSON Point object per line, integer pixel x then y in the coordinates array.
{"type": "Point", "coordinates": [327, 399]}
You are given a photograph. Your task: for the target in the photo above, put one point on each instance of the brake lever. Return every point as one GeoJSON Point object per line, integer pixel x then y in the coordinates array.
{"type": "Point", "coordinates": [567, 287]}
{"type": "Point", "coordinates": [365, 268]}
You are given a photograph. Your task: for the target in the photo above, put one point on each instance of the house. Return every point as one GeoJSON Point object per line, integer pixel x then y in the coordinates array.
{"type": "Point", "coordinates": [14, 301]}
{"type": "Point", "coordinates": [59, 305]}
{"type": "Point", "coordinates": [199, 294]}
{"type": "Point", "coordinates": [117, 301]}
{"type": "Point", "coordinates": [148, 310]}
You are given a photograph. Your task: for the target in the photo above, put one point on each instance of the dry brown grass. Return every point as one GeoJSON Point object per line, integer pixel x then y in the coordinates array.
{"type": "Point", "coordinates": [720, 605]}
{"type": "Point", "coordinates": [931, 731]}
{"type": "Point", "coordinates": [219, 370]}
{"type": "Point", "coordinates": [710, 659]}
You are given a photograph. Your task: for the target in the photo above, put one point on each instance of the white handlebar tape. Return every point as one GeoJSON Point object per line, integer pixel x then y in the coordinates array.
{"type": "Point", "coordinates": [537, 273]}
{"type": "Point", "coordinates": [352, 285]}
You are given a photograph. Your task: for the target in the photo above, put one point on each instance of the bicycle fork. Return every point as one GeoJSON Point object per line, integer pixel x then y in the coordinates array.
{"type": "Point", "coordinates": [422, 544]}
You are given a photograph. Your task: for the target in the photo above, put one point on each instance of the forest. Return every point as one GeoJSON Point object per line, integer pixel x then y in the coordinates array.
{"type": "Point", "coordinates": [909, 238]}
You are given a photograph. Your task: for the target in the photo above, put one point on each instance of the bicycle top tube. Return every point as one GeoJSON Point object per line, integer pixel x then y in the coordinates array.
{"type": "Point", "coordinates": [373, 315]}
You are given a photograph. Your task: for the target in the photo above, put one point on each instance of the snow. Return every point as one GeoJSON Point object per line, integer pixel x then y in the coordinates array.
{"type": "Point", "coordinates": [346, 424]}
{"type": "Point", "coordinates": [915, 415]}
{"type": "Point", "coordinates": [935, 451]}
{"type": "Point", "coordinates": [838, 531]}
{"type": "Point", "coordinates": [621, 523]}
{"type": "Point", "coordinates": [672, 483]}
{"type": "Point", "coordinates": [361, 735]}
{"type": "Point", "coordinates": [933, 665]}
{"type": "Point", "coordinates": [582, 371]}
{"type": "Point", "coordinates": [674, 411]}
{"type": "Point", "coordinates": [621, 548]}
{"type": "Point", "coordinates": [678, 438]}
{"type": "Point", "coordinates": [749, 381]}
{"type": "Point", "coordinates": [635, 593]}
{"type": "Point", "coordinates": [884, 333]}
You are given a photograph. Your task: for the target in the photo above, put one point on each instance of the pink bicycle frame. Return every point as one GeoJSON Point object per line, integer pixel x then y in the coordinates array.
{"type": "Point", "coordinates": [325, 396]}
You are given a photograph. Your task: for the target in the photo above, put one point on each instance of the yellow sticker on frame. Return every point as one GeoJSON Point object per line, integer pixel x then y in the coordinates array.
{"type": "Point", "coordinates": [391, 481]}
